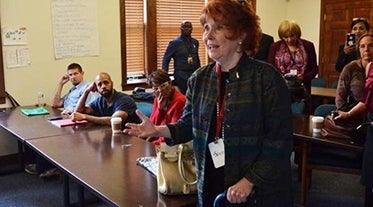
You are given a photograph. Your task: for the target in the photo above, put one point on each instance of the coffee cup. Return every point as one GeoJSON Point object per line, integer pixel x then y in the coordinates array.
{"type": "Point", "coordinates": [116, 124]}
{"type": "Point", "coordinates": [317, 124]}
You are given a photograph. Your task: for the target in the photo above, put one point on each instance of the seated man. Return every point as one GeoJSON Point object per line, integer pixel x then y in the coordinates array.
{"type": "Point", "coordinates": [110, 104]}
{"type": "Point", "coordinates": [168, 103]}
{"type": "Point", "coordinates": [74, 74]}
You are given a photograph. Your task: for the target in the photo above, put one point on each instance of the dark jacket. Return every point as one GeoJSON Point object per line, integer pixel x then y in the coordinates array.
{"type": "Point", "coordinates": [257, 125]}
{"type": "Point", "coordinates": [343, 59]}
{"type": "Point", "coordinates": [264, 45]}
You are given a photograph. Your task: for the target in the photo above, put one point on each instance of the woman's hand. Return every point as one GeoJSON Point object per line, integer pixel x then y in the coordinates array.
{"type": "Point", "coordinates": [348, 49]}
{"type": "Point", "coordinates": [143, 130]}
{"type": "Point", "coordinates": [162, 102]}
{"type": "Point", "coordinates": [239, 192]}
{"type": "Point", "coordinates": [342, 115]}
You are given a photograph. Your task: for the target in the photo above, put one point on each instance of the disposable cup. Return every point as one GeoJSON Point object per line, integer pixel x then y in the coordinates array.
{"type": "Point", "coordinates": [116, 124]}
{"type": "Point", "coordinates": [317, 123]}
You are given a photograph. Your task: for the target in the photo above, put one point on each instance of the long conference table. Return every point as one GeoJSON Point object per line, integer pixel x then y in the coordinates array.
{"type": "Point", "coordinates": [106, 164]}
{"type": "Point", "coordinates": [95, 159]}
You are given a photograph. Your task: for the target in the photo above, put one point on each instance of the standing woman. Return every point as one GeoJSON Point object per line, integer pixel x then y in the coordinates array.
{"type": "Point", "coordinates": [346, 52]}
{"type": "Point", "coordinates": [293, 54]}
{"type": "Point", "coordinates": [237, 109]}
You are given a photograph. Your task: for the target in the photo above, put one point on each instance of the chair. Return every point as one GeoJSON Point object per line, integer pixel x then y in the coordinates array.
{"type": "Point", "coordinates": [298, 107]}
{"type": "Point", "coordinates": [145, 107]}
{"type": "Point", "coordinates": [318, 82]}
{"type": "Point", "coordinates": [334, 84]}
{"type": "Point", "coordinates": [324, 109]}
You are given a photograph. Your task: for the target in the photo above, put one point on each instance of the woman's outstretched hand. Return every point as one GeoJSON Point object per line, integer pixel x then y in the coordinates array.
{"type": "Point", "coordinates": [143, 130]}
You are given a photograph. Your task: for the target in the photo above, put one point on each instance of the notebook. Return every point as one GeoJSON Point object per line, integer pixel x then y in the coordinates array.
{"type": "Point", "coordinates": [34, 111]}
{"type": "Point", "coordinates": [67, 122]}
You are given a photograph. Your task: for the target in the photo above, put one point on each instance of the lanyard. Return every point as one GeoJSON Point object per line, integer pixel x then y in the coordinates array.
{"type": "Point", "coordinates": [219, 105]}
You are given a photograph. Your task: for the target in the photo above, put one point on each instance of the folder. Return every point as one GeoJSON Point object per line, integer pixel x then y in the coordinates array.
{"type": "Point", "coordinates": [34, 111]}
{"type": "Point", "coordinates": [67, 122]}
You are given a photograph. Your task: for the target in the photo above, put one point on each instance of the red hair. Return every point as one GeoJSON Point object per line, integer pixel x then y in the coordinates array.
{"type": "Point", "coordinates": [238, 17]}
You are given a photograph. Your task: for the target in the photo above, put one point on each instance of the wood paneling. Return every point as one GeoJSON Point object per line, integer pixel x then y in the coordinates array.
{"type": "Point", "coordinates": [336, 17]}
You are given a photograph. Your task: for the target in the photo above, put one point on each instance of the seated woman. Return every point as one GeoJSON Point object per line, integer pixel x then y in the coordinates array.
{"type": "Point", "coordinates": [365, 105]}
{"type": "Point", "coordinates": [351, 80]}
{"type": "Point", "coordinates": [168, 102]}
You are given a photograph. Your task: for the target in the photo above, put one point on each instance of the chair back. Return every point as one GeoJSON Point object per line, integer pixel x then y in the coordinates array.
{"type": "Point", "coordinates": [324, 109]}
{"type": "Point", "coordinates": [318, 82]}
{"type": "Point", "coordinates": [145, 107]}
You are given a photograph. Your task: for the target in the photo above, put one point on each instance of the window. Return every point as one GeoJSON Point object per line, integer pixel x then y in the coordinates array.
{"type": "Point", "coordinates": [146, 28]}
{"type": "Point", "coordinates": [134, 11]}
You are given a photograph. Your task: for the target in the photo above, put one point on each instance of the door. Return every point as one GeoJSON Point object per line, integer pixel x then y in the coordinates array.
{"type": "Point", "coordinates": [336, 17]}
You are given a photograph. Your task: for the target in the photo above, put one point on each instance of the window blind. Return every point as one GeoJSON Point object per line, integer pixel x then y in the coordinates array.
{"type": "Point", "coordinates": [135, 37]}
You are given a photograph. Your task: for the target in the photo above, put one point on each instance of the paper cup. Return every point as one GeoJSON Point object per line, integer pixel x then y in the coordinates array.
{"type": "Point", "coordinates": [317, 123]}
{"type": "Point", "coordinates": [116, 124]}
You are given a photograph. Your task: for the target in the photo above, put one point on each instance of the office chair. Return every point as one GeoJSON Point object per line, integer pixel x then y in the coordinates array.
{"type": "Point", "coordinates": [298, 107]}
{"type": "Point", "coordinates": [317, 82]}
{"type": "Point", "coordinates": [145, 107]}
{"type": "Point", "coordinates": [334, 84]}
{"type": "Point", "coordinates": [324, 109]}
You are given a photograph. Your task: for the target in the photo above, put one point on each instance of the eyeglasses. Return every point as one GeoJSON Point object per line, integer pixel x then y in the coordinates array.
{"type": "Point", "coordinates": [156, 88]}
{"type": "Point", "coordinates": [359, 18]}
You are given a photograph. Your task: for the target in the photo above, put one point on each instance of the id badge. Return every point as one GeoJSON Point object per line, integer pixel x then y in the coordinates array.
{"type": "Point", "coordinates": [190, 60]}
{"type": "Point", "coordinates": [217, 152]}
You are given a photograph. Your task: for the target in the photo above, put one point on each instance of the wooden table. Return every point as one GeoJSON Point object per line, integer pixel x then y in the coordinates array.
{"type": "Point", "coordinates": [96, 160]}
{"type": "Point", "coordinates": [323, 92]}
{"type": "Point", "coordinates": [106, 165]}
{"type": "Point", "coordinates": [302, 131]}
{"type": "Point", "coordinates": [34, 127]}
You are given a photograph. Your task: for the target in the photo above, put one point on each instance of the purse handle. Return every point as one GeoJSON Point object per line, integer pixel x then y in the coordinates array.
{"type": "Point", "coordinates": [363, 125]}
{"type": "Point", "coordinates": [181, 167]}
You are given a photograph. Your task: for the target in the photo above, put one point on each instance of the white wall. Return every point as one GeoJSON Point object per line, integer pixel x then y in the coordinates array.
{"type": "Point", "coordinates": [24, 83]}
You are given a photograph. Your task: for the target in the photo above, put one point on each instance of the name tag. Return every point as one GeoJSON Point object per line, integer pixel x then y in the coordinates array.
{"type": "Point", "coordinates": [217, 152]}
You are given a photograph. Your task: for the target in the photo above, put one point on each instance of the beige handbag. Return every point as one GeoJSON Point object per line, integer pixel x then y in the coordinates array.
{"type": "Point", "coordinates": [176, 170]}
